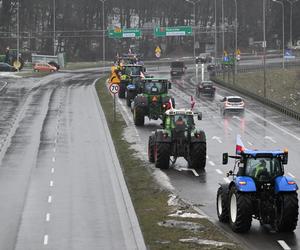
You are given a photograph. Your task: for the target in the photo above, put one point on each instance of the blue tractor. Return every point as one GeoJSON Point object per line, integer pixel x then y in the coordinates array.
{"type": "Point", "coordinates": [258, 190]}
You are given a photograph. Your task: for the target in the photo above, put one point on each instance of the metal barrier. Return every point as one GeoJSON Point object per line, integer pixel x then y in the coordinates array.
{"type": "Point", "coordinates": [285, 110]}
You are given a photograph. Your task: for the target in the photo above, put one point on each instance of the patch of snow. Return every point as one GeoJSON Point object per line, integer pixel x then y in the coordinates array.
{"type": "Point", "coordinates": [163, 179]}
{"type": "Point", "coordinates": [173, 200]}
{"type": "Point", "coordinates": [182, 214]}
{"type": "Point", "coordinates": [206, 242]}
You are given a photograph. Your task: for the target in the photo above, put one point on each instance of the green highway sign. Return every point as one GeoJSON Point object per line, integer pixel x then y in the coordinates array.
{"type": "Point", "coordinates": [173, 31]}
{"type": "Point", "coordinates": [124, 33]}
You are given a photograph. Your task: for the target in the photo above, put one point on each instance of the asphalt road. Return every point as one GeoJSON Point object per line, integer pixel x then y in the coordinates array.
{"type": "Point", "coordinates": [61, 186]}
{"type": "Point", "coordinates": [260, 127]}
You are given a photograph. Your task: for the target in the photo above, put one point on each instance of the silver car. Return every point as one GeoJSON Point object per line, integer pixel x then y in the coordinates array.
{"type": "Point", "coordinates": [232, 103]}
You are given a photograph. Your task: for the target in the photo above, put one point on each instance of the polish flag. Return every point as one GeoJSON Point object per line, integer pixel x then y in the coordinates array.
{"type": "Point", "coordinates": [170, 104]}
{"type": "Point", "coordinates": [142, 75]}
{"type": "Point", "coordinates": [239, 145]}
{"type": "Point", "coordinates": [192, 102]}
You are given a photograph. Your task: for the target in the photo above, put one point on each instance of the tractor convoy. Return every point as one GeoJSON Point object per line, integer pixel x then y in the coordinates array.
{"type": "Point", "coordinates": [258, 188]}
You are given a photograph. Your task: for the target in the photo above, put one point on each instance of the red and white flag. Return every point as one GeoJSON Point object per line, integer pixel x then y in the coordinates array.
{"type": "Point", "coordinates": [239, 145]}
{"type": "Point", "coordinates": [192, 102]}
{"type": "Point", "coordinates": [142, 75]}
{"type": "Point", "coordinates": [170, 104]}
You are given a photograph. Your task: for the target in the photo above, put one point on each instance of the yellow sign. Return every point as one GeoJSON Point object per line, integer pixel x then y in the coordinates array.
{"type": "Point", "coordinates": [118, 29]}
{"type": "Point", "coordinates": [158, 50]}
{"type": "Point", "coordinates": [238, 52]}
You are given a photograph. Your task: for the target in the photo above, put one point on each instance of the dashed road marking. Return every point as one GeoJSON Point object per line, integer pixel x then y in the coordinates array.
{"type": "Point", "coordinates": [283, 244]}
{"type": "Point", "coordinates": [226, 179]}
{"type": "Point", "coordinates": [270, 139]}
{"type": "Point", "coordinates": [54, 150]}
{"type": "Point", "coordinates": [219, 171]}
{"type": "Point", "coordinates": [55, 141]}
{"type": "Point", "coordinates": [51, 184]}
{"type": "Point", "coordinates": [230, 129]}
{"type": "Point", "coordinates": [49, 199]}
{"type": "Point", "coordinates": [207, 157]}
{"type": "Point", "coordinates": [194, 172]}
{"type": "Point", "coordinates": [46, 239]}
{"type": "Point", "coordinates": [218, 139]}
{"type": "Point", "coordinates": [212, 163]}
{"type": "Point", "coordinates": [290, 174]}
{"type": "Point", "coordinates": [47, 217]}
{"type": "Point", "coordinates": [53, 159]}
{"type": "Point", "coordinates": [251, 144]}
{"type": "Point", "coordinates": [52, 170]}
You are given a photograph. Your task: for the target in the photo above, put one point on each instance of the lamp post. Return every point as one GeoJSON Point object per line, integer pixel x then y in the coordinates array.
{"type": "Point", "coordinates": [18, 33]}
{"type": "Point", "coordinates": [194, 33]}
{"type": "Point", "coordinates": [264, 45]}
{"type": "Point", "coordinates": [54, 26]}
{"type": "Point", "coordinates": [291, 20]}
{"type": "Point", "coordinates": [283, 45]}
{"type": "Point", "coordinates": [223, 28]}
{"type": "Point", "coordinates": [216, 45]}
{"type": "Point", "coordinates": [103, 33]}
{"type": "Point", "coordinates": [236, 38]}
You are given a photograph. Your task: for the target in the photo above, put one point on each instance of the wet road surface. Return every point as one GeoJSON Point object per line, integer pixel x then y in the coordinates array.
{"type": "Point", "coordinates": [61, 185]}
{"type": "Point", "coordinates": [260, 127]}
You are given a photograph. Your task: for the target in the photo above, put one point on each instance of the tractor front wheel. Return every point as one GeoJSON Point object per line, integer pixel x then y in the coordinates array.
{"type": "Point", "coordinates": [240, 211]}
{"type": "Point", "coordinates": [287, 212]}
{"type": "Point", "coordinates": [151, 149]}
{"type": "Point", "coordinates": [222, 204]}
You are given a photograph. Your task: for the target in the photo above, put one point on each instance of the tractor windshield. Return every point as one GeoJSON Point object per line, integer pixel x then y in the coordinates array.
{"type": "Point", "coordinates": [155, 87]}
{"type": "Point", "coordinates": [133, 70]}
{"type": "Point", "coordinates": [187, 120]}
{"type": "Point", "coordinates": [263, 169]}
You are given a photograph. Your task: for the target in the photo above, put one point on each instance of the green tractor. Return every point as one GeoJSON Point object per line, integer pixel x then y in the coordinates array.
{"type": "Point", "coordinates": [11, 58]}
{"type": "Point", "coordinates": [153, 100]}
{"type": "Point", "coordinates": [179, 138]}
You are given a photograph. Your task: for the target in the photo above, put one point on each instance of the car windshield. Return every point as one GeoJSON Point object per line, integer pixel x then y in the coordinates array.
{"type": "Point", "coordinates": [234, 99]}
{"type": "Point", "coordinates": [177, 65]}
{"type": "Point", "coordinates": [263, 168]}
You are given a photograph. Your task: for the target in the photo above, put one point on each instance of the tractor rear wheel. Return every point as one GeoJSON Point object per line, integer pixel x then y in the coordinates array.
{"type": "Point", "coordinates": [198, 155]}
{"type": "Point", "coordinates": [151, 149]}
{"type": "Point", "coordinates": [240, 211]}
{"type": "Point", "coordinates": [162, 155]}
{"type": "Point", "coordinates": [222, 204]}
{"type": "Point", "coordinates": [138, 116]}
{"type": "Point", "coordinates": [287, 215]}
{"type": "Point", "coordinates": [128, 99]}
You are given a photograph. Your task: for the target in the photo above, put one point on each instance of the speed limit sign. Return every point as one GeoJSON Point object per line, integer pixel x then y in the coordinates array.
{"type": "Point", "coordinates": [114, 88]}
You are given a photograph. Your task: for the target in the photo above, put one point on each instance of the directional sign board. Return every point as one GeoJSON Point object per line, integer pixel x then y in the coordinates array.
{"type": "Point", "coordinates": [114, 88]}
{"type": "Point", "coordinates": [173, 31]}
{"type": "Point", "coordinates": [124, 33]}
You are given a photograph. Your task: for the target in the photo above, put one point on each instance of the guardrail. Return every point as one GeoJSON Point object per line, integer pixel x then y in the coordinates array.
{"type": "Point", "coordinates": [283, 109]}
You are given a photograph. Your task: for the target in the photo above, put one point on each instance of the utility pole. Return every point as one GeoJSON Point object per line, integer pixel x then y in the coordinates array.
{"type": "Point", "coordinates": [236, 37]}
{"type": "Point", "coordinates": [216, 32]}
{"type": "Point", "coordinates": [291, 20]}
{"type": "Point", "coordinates": [264, 46]}
{"type": "Point", "coordinates": [18, 33]}
{"type": "Point", "coordinates": [54, 26]}
{"type": "Point", "coordinates": [223, 28]}
{"type": "Point", "coordinates": [103, 33]}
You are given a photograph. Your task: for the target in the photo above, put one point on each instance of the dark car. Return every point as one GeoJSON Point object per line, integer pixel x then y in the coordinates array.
{"type": "Point", "coordinates": [55, 64]}
{"type": "Point", "coordinates": [205, 88]}
{"type": "Point", "coordinates": [6, 67]}
{"type": "Point", "coordinates": [178, 68]}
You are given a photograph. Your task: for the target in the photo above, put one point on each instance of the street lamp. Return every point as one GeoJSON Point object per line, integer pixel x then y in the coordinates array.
{"type": "Point", "coordinates": [291, 20]}
{"type": "Point", "coordinates": [54, 24]}
{"type": "Point", "coordinates": [264, 45]}
{"type": "Point", "coordinates": [194, 33]}
{"type": "Point", "coordinates": [236, 47]}
{"type": "Point", "coordinates": [282, 4]}
{"type": "Point", "coordinates": [216, 45]}
{"type": "Point", "coordinates": [103, 33]}
{"type": "Point", "coordinates": [18, 33]}
{"type": "Point", "coordinates": [223, 28]}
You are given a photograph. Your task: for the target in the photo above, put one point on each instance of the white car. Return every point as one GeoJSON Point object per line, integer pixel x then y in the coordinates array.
{"type": "Point", "coordinates": [232, 103]}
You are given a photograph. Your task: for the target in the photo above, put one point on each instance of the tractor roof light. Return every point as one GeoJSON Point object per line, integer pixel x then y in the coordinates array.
{"type": "Point", "coordinates": [291, 182]}
{"type": "Point", "coordinates": [242, 183]}
{"type": "Point", "coordinates": [285, 150]}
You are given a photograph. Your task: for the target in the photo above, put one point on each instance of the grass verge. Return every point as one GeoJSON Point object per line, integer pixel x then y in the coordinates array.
{"type": "Point", "coordinates": [149, 199]}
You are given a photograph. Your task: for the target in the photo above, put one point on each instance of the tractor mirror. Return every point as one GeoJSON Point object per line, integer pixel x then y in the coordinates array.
{"type": "Point", "coordinates": [285, 158]}
{"type": "Point", "coordinates": [169, 85]}
{"type": "Point", "coordinates": [199, 116]}
{"type": "Point", "coordinates": [225, 158]}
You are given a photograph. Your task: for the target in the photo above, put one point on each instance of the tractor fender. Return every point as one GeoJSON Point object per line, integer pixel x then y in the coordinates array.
{"type": "Point", "coordinates": [140, 101]}
{"type": "Point", "coordinates": [244, 184]}
{"type": "Point", "coordinates": [285, 184]}
{"type": "Point", "coordinates": [225, 187]}
{"type": "Point", "coordinates": [201, 137]}
{"type": "Point", "coordinates": [162, 135]}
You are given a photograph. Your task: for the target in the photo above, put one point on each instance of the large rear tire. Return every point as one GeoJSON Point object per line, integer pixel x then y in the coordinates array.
{"type": "Point", "coordinates": [198, 155]}
{"type": "Point", "coordinates": [162, 155]}
{"type": "Point", "coordinates": [128, 99]}
{"type": "Point", "coordinates": [240, 211]}
{"type": "Point", "coordinates": [222, 204]}
{"type": "Point", "coordinates": [138, 116]}
{"type": "Point", "coordinates": [121, 92]}
{"type": "Point", "coordinates": [151, 149]}
{"type": "Point", "coordinates": [287, 215]}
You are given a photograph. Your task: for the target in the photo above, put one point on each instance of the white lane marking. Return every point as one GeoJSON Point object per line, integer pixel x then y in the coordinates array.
{"type": "Point", "coordinates": [251, 144]}
{"type": "Point", "coordinates": [226, 179]}
{"type": "Point", "coordinates": [51, 183]}
{"type": "Point", "coordinates": [48, 217]}
{"type": "Point", "coordinates": [283, 244]}
{"type": "Point", "coordinates": [52, 170]}
{"type": "Point", "coordinates": [194, 172]}
{"type": "Point", "coordinates": [212, 163]}
{"type": "Point", "coordinates": [55, 141]}
{"type": "Point", "coordinates": [54, 150]}
{"type": "Point", "coordinates": [49, 199]}
{"type": "Point", "coordinates": [236, 117]}
{"type": "Point", "coordinates": [270, 139]}
{"type": "Point", "coordinates": [230, 129]}
{"type": "Point", "coordinates": [45, 239]}
{"type": "Point", "coordinates": [290, 174]}
{"type": "Point", "coordinates": [207, 157]}
{"type": "Point", "coordinates": [219, 171]}
{"type": "Point", "coordinates": [274, 125]}
{"type": "Point", "coordinates": [218, 139]}
{"type": "Point", "coordinates": [53, 159]}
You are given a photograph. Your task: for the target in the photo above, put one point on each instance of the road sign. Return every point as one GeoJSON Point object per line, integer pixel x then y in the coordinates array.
{"type": "Point", "coordinates": [157, 50]}
{"type": "Point", "coordinates": [173, 31]}
{"type": "Point", "coordinates": [114, 88]}
{"type": "Point", "coordinates": [124, 33]}
{"type": "Point", "coordinates": [157, 54]}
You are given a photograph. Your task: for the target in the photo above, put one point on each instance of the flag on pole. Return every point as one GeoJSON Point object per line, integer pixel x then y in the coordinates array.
{"type": "Point", "coordinates": [170, 104]}
{"type": "Point", "coordinates": [142, 75]}
{"type": "Point", "coordinates": [192, 102]}
{"type": "Point", "coordinates": [239, 145]}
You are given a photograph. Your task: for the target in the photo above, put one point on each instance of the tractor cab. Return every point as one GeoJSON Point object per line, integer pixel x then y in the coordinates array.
{"type": "Point", "coordinates": [133, 70]}
{"type": "Point", "coordinates": [155, 86]}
